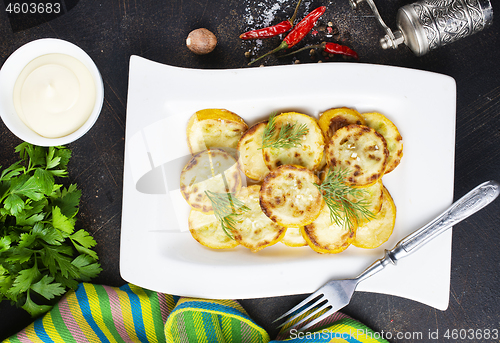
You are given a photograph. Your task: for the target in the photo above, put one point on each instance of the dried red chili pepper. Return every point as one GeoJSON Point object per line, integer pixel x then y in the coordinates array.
{"type": "Point", "coordinates": [303, 27]}
{"type": "Point", "coordinates": [274, 30]}
{"type": "Point", "coordinates": [298, 32]}
{"type": "Point", "coordinates": [330, 48]}
{"type": "Point", "coordinates": [267, 32]}
{"type": "Point", "coordinates": [337, 49]}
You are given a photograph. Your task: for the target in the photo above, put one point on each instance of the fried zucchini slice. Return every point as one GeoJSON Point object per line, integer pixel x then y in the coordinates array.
{"type": "Point", "coordinates": [210, 170]}
{"type": "Point", "coordinates": [335, 118]}
{"type": "Point", "coordinates": [373, 197]}
{"type": "Point", "coordinates": [360, 150]}
{"type": "Point", "coordinates": [251, 160]}
{"type": "Point", "coordinates": [207, 230]}
{"type": "Point", "coordinates": [310, 151]}
{"type": "Point", "coordinates": [214, 128]}
{"type": "Point", "coordinates": [386, 128]}
{"type": "Point", "coordinates": [254, 229]}
{"type": "Point", "coordinates": [289, 197]}
{"type": "Point", "coordinates": [327, 237]}
{"type": "Point", "coordinates": [294, 238]}
{"type": "Point", "coordinates": [377, 231]}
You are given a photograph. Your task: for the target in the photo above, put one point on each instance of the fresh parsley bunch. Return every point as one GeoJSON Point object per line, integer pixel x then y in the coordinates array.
{"type": "Point", "coordinates": [41, 253]}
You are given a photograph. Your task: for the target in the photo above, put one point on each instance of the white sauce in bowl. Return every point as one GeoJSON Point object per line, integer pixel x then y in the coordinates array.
{"type": "Point", "coordinates": [54, 95]}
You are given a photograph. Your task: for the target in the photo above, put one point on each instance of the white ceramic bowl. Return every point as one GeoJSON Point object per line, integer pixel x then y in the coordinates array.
{"type": "Point", "coordinates": [13, 67]}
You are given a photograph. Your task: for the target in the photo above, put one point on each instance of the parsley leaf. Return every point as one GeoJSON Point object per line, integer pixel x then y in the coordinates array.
{"type": "Point", "coordinates": [83, 242]}
{"type": "Point", "coordinates": [12, 171]}
{"type": "Point", "coordinates": [33, 308]}
{"type": "Point", "coordinates": [48, 289]}
{"type": "Point", "coordinates": [53, 237]}
{"type": "Point", "coordinates": [27, 187]}
{"type": "Point", "coordinates": [4, 244]}
{"type": "Point", "coordinates": [24, 280]}
{"type": "Point", "coordinates": [87, 267]}
{"type": "Point", "coordinates": [67, 200]}
{"type": "Point", "coordinates": [44, 180]}
{"type": "Point", "coordinates": [61, 222]}
{"type": "Point", "coordinates": [14, 204]}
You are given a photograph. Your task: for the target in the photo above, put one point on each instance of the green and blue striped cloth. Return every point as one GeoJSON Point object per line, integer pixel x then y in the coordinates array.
{"type": "Point", "coordinates": [96, 313]}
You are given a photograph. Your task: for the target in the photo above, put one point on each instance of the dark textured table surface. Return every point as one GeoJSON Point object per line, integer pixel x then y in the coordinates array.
{"type": "Point", "coordinates": [111, 31]}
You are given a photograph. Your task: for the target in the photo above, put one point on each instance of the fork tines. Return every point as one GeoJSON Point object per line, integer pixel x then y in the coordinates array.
{"type": "Point", "coordinates": [309, 307]}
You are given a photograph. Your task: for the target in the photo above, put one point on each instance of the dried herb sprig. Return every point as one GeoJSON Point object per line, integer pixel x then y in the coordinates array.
{"type": "Point", "coordinates": [346, 203]}
{"type": "Point", "coordinates": [227, 208]}
{"type": "Point", "coordinates": [289, 135]}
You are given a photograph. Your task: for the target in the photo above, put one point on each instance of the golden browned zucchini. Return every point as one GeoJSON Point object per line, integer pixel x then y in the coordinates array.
{"type": "Point", "coordinates": [386, 128]}
{"type": "Point", "coordinates": [310, 151]}
{"type": "Point", "coordinates": [293, 237]}
{"type": "Point", "coordinates": [335, 118]}
{"type": "Point", "coordinates": [327, 237]}
{"type": "Point", "coordinates": [207, 230]}
{"type": "Point", "coordinates": [289, 197]}
{"type": "Point", "coordinates": [377, 231]}
{"type": "Point", "coordinates": [214, 128]}
{"type": "Point", "coordinates": [251, 160]}
{"type": "Point", "coordinates": [373, 197]}
{"type": "Point", "coordinates": [254, 229]}
{"type": "Point", "coordinates": [360, 150]}
{"type": "Point", "coordinates": [210, 170]}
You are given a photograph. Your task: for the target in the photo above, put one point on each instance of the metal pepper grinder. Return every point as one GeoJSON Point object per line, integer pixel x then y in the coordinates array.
{"type": "Point", "coordinates": [428, 24]}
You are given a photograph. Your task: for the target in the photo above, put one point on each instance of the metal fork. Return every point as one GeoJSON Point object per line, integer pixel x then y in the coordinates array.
{"type": "Point", "coordinates": [336, 294]}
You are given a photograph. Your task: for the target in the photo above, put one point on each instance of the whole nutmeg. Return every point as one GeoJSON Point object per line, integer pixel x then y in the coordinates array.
{"type": "Point", "coordinates": [201, 41]}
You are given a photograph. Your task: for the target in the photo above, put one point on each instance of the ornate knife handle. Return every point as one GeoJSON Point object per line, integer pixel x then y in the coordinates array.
{"type": "Point", "coordinates": [469, 204]}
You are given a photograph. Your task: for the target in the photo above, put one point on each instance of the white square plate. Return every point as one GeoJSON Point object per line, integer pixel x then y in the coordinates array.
{"type": "Point", "coordinates": [159, 254]}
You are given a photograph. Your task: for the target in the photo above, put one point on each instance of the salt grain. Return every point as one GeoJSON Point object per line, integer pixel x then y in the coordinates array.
{"type": "Point", "coordinates": [264, 13]}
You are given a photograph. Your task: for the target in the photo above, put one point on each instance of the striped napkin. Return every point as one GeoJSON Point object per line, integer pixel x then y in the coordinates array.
{"type": "Point", "coordinates": [96, 313]}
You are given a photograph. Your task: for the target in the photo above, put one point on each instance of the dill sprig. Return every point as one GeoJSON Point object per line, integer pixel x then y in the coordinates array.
{"type": "Point", "coordinates": [346, 203]}
{"type": "Point", "coordinates": [289, 136]}
{"type": "Point", "coordinates": [227, 208]}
